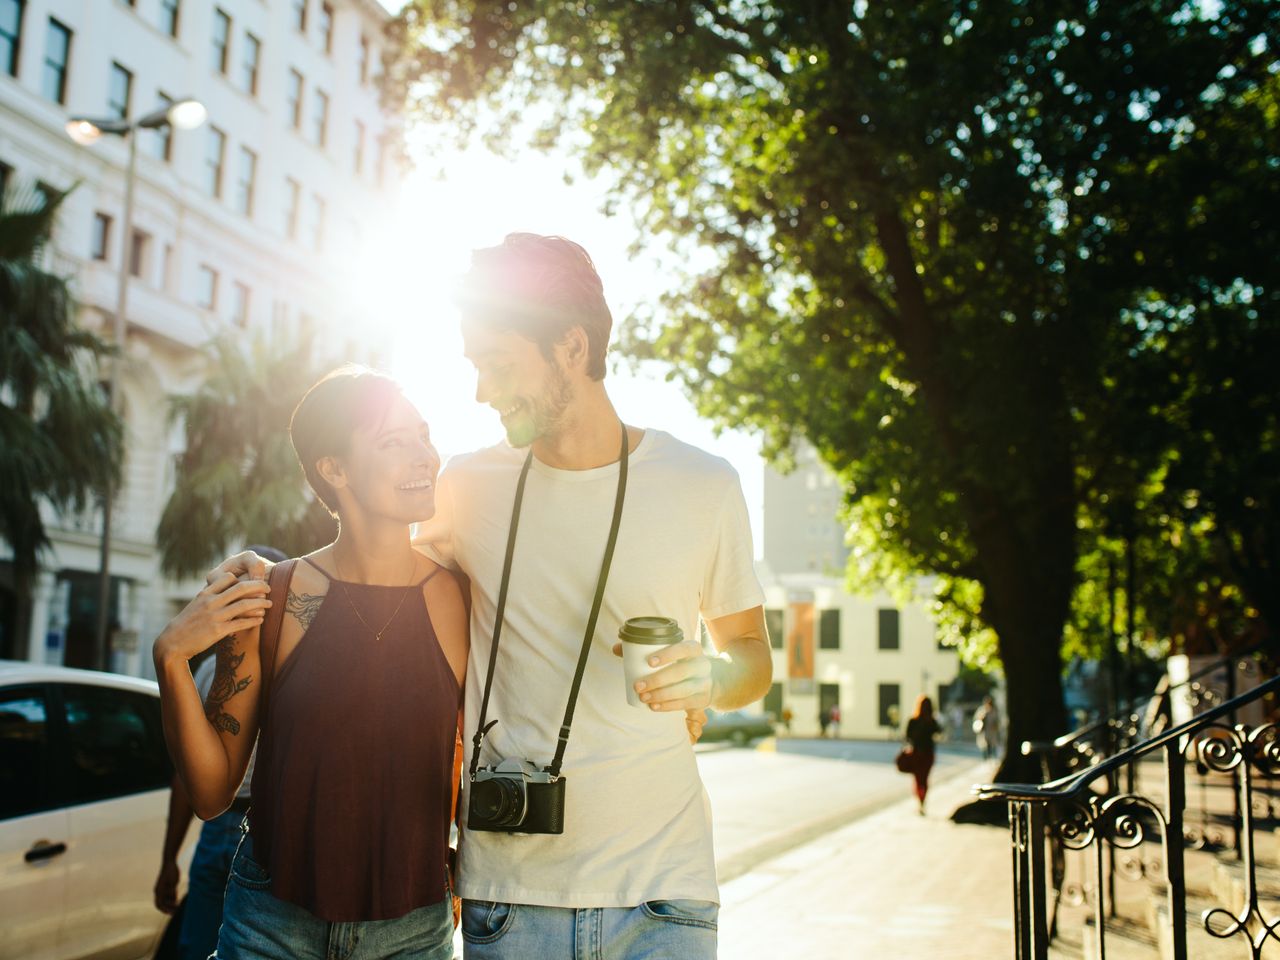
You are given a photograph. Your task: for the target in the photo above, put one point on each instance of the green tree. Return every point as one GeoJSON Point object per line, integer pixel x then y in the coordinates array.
{"type": "Point", "coordinates": [60, 441]}
{"type": "Point", "coordinates": [238, 480]}
{"type": "Point", "coordinates": [929, 228]}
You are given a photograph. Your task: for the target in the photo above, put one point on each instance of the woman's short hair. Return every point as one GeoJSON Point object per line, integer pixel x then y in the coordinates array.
{"type": "Point", "coordinates": [341, 402]}
{"type": "Point", "coordinates": [541, 288]}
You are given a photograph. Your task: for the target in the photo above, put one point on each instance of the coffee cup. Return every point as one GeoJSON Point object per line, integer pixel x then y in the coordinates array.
{"type": "Point", "coordinates": [641, 638]}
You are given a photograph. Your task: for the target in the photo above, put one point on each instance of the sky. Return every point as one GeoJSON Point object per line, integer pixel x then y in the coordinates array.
{"type": "Point", "coordinates": [455, 202]}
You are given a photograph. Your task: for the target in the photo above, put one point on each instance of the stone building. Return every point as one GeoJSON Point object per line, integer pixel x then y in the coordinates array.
{"type": "Point", "coordinates": [255, 221]}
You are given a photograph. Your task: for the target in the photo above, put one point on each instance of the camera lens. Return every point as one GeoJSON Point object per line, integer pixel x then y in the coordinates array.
{"type": "Point", "coordinates": [500, 800]}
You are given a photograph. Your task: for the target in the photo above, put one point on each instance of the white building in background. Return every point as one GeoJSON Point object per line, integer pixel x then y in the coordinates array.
{"type": "Point", "coordinates": [255, 221]}
{"type": "Point", "coordinates": [868, 655]}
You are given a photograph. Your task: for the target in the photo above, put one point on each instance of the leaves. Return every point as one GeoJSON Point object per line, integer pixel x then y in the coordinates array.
{"type": "Point", "coordinates": [60, 442]}
{"type": "Point", "coordinates": [238, 479]}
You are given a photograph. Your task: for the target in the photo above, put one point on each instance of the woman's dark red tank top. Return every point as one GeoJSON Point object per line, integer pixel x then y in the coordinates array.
{"type": "Point", "coordinates": [352, 792]}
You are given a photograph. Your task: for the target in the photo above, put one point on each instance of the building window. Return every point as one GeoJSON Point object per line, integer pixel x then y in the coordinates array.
{"type": "Point", "coordinates": [890, 705]}
{"type": "Point", "coordinates": [207, 287]}
{"type": "Point", "coordinates": [249, 64]}
{"type": "Point", "coordinates": [359, 164]}
{"type": "Point", "coordinates": [57, 54]}
{"type": "Point", "coordinates": [889, 639]}
{"type": "Point", "coordinates": [293, 200]}
{"type": "Point", "coordinates": [244, 181]}
{"type": "Point", "coordinates": [240, 304]}
{"type": "Point", "coordinates": [326, 27]}
{"type": "Point", "coordinates": [320, 118]}
{"type": "Point", "coordinates": [162, 136]}
{"type": "Point", "coordinates": [774, 622]}
{"type": "Point", "coordinates": [317, 222]}
{"type": "Point", "coordinates": [364, 59]}
{"type": "Point", "coordinates": [119, 90]}
{"type": "Point", "coordinates": [216, 152]}
{"type": "Point", "coordinates": [100, 239]}
{"type": "Point", "coordinates": [169, 16]}
{"type": "Point", "coordinates": [829, 630]}
{"type": "Point", "coordinates": [10, 35]}
{"type": "Point", "coordinates": [221, 40]}
{"type": "Point", "coordinates": [139, 246]}
{"type": "Point", "coordinates": [166, 269]}
{"type": "Point", "coordinates": [295, 99]}
{"type": "Point", "coordinates": [300, 15]}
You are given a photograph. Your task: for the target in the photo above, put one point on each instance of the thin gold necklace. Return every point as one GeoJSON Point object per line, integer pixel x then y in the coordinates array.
{"type": "Point", "coordinates": [356, 610]}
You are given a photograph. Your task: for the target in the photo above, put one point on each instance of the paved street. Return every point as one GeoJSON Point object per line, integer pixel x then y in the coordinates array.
{"type": "Point", "coordinates": [786, 792]}
{"type": "Point", "coordinates": [817, 840]}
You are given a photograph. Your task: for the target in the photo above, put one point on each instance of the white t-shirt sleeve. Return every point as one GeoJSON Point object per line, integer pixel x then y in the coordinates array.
{"type": "Point", "coordinates": [434, 537]}
{"type": "Point", "coordinates": [204, 674]}
{"type": "Point", "coordinates": [730, 585]}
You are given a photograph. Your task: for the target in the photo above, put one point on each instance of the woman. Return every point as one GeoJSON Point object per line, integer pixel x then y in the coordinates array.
{"type": "Point", "coordinates": [922, 729]}
{"type": "Point", "coordinates": [351, 686]}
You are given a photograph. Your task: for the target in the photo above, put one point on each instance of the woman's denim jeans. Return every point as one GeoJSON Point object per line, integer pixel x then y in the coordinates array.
{"type": "Point", "coordinates": [259, 926]}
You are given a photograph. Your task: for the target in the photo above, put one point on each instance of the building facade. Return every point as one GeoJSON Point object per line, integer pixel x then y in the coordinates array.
{"type": "Point", "coordinates": [253, 223]}
{"type": "Point", "coordinates": [870, 656]}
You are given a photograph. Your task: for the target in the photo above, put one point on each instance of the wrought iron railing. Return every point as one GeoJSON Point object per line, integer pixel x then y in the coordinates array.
{"type": "Point", "coordinates": [1085, 812]}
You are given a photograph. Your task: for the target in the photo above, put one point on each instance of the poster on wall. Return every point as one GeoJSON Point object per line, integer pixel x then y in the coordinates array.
{"type": "Point", "coordinates": [800, 647]}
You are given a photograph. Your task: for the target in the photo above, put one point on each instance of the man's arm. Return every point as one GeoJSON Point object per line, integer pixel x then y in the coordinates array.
{"type": "Point", "coordinates": [739, 674]}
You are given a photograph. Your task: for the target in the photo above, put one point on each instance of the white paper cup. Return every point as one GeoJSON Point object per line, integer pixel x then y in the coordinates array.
{"type": "Point", "coordinates": [641, 638]}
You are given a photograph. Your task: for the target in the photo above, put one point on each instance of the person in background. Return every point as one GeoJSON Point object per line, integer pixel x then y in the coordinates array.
{"type": "Point", "coordinates": [986, 725]}
{"type": "Point", "coordinates": [922, 731]}
{"type": "Point", "coordinates": [211, 863]}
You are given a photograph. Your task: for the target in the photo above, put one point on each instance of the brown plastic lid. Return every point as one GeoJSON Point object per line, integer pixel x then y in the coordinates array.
{"type": "Point", "coordinates": [654, 630]}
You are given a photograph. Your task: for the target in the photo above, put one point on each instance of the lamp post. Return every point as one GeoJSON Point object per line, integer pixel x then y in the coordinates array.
{"type": "Point", "coordinates": [185, 114]}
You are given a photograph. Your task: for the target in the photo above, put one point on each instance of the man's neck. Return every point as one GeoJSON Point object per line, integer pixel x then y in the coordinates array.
{"type": "Point", "coordinates": [588, 436]}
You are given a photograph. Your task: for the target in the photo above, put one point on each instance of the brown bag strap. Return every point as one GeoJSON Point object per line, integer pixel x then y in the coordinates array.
{"type": "Point", "coordinates": [269, 639]}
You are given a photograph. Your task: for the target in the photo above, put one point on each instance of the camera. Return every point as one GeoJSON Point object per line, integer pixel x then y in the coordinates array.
{"type": "Point", "coordinates": [514, 796]}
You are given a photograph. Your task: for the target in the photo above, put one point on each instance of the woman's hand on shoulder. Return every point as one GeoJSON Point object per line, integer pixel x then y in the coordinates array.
{"type": "Point", "coordinates": [226, 606]}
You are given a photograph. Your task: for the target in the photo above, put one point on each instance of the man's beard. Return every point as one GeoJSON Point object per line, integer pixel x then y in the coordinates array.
{"type": "Point", "coordinates": [546, 414]}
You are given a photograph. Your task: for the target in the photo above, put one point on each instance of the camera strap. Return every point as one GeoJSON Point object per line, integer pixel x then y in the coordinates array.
{"type": "Point", "coordinates": [481, 727]}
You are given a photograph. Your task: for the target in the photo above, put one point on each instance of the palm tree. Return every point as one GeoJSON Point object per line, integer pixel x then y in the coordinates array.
{"type": "Point", "coordinates": [60, 440]}
{"type": "Point", "coordinates": [239, 479]}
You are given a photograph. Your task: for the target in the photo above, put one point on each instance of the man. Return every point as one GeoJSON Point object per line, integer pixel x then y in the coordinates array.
{"type": "Point", "coordinates": [633, 874]}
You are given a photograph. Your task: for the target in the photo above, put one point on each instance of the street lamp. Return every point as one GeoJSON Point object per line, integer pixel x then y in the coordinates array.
{"type": "Point", "coordinates": [185, 114]}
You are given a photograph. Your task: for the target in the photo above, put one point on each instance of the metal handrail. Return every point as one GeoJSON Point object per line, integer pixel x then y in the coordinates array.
{"type": "Point", "coordinates": [1072, 785]}
{"type": "Point", "coordinates": [1134, 705]}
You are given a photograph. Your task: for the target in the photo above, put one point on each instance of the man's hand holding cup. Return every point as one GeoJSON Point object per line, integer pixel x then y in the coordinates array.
{"type": "Point", "coordinates": [664, 671]}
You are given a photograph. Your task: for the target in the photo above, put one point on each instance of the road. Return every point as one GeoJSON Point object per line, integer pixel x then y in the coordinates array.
{"type": "Point", "coordinates": [784, 793]}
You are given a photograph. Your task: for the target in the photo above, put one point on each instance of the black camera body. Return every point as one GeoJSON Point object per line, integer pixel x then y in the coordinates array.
{"type": "Point", "coordinates": [514, 796]}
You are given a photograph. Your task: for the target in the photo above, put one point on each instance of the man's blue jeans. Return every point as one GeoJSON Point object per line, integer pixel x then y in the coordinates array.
{"type": "Point", "coordinates": [206, 884]}
{"type": "Point", "coordinates": [656, 930]}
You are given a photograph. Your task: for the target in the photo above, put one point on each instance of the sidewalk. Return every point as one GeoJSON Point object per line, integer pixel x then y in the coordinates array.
{"type": "Point", "coordinates": [890, 886]}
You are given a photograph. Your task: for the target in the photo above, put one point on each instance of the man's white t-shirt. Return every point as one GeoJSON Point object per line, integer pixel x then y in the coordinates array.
{"type": "Point", "coordinates": [637, 819]}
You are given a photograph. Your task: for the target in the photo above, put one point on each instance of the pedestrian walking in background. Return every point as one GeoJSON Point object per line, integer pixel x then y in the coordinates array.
{"type": "Point", "coordinates": [834, 717]}
{"type": "Point", "coordinates": [986, 726]}
{"type": "Point", "coordinates": [922, 731]}
{"type": "Point", "coordinates": [219, 837]}
{"type": "Point", "coordinates": [787, 716]}
{"type": "Point", "coordinates": [824, 720]}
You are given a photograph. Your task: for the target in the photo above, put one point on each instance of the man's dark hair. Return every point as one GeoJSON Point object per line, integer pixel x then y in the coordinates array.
{"type": "Point", "coordinates": [339, 403]}
{"type": "Point", "coordinates": [541, 288]}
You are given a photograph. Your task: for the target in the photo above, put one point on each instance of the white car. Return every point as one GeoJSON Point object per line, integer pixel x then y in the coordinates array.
{"type": "Point", "coordinates": [84, 796]}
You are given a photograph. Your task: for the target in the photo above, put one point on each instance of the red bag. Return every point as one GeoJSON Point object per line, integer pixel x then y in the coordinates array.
{"type": "Point", "coordinates": [905, 761]}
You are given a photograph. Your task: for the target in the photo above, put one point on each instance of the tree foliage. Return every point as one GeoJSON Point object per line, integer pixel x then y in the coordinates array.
{"type": "Point", "coordinates": [974, 253]}
{"type": "Point", "coordinates": [60, 441]}
{"type": "Point", "coordinates": [238, 481]}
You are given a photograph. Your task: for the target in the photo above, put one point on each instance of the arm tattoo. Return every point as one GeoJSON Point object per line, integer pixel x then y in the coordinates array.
{"type": "Point", "coordinates": [225, 686]}
{"type": "Point", "coordinates": [304, 607]}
